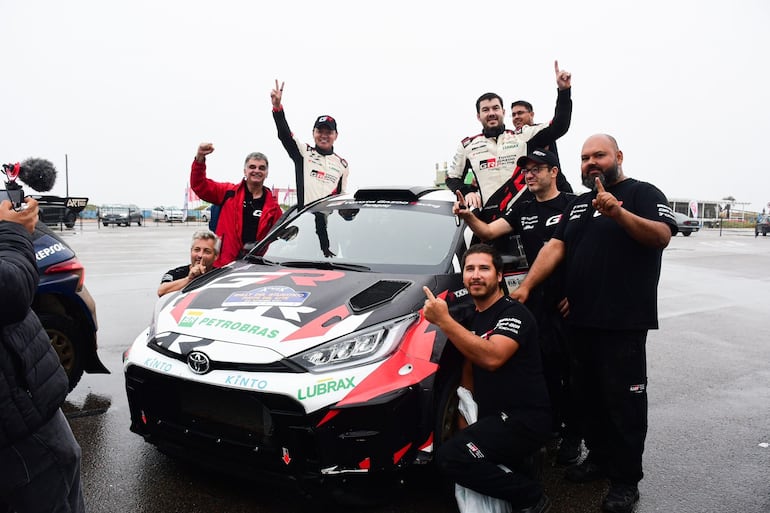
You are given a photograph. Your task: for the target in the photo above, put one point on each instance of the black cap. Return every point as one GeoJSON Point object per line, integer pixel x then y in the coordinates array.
{"type": "Point", "coordinates": [539, 156]}
{"type": "Point", "coordinates": [326, 122]}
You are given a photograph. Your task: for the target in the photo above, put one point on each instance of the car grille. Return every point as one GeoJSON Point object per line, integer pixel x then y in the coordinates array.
{"type": "Point", "coordinates": [239, 416]}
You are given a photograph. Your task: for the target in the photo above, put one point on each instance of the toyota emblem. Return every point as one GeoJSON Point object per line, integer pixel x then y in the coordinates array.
{"type": "Point", "coordinates": [198, 362]}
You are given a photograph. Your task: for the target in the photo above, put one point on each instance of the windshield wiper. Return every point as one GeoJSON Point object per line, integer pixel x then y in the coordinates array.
{"type": "Point", "coordinates": [256, 259]}
{"type": "Point", "coordinates": [325, 264]}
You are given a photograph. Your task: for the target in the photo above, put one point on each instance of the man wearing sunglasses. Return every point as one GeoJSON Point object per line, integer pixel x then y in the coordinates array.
{"type": "Point", "coordinates": [248, 209]}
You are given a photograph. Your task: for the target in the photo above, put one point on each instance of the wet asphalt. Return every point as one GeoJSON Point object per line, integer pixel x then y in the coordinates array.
{"type": "Point", "coordinates": [709, 392]}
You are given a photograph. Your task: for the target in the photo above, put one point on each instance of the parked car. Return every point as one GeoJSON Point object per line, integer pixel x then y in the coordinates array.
{"type": "Point", "coordinates": [64, 305]}
{"type": "Point", "coordinates": [167, 214]}
{"type": "Point", "coordinates": [206, 214]}
{"type": "Point", "coordinates": [310, 358]}
{"type": "Point", "coordinates": [55, 210]}
{"type": "Point", "coordinates": [686, 224]}
{"type": "Point", "coordinates": [762, 226]}
{"type": "Point", "coordinates": [120, 215]}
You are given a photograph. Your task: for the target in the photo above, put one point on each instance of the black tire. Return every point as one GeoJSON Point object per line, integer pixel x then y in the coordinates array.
{"type": "Point", "coordinates": [446, 408]}
{"type": "Point", "coordinates": [686, 234]}
{"type": "Point", "coordinates": [66, 339]}
{"type": "Point", "coordinates": [105, 223]}
{"type": "Point", "coordinates": [69, 219]}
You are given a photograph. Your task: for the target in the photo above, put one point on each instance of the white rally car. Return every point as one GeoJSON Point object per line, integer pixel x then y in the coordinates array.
{"type": "Point", "coordinates": [311, 358]}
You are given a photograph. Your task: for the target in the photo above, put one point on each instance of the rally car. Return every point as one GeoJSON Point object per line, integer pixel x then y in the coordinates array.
{"type": "Point", "coordinates": [311, 358]}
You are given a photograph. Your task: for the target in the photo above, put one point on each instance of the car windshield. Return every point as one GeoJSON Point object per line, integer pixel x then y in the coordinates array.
{"type": "Point", "coordinates": [114, 209]}
{"type": "Point", "coordinates": [383, 236]}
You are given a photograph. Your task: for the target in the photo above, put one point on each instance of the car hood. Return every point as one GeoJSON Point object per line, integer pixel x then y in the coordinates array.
{"type": "Point", "coordinates": [260, 314]}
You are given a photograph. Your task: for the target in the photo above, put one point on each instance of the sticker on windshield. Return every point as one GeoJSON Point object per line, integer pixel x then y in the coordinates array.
{"type": "Point", "coordinates": [267, 296]}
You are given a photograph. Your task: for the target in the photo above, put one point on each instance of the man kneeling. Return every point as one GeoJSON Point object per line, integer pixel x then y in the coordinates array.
{"type": "Point", "coordinates": [503, 370]}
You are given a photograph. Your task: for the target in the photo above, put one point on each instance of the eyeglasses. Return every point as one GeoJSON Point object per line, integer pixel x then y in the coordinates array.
{"type": "Point", "coordinates": [533, 170]}
{"type": "Point", "coordinates": [261, 168]}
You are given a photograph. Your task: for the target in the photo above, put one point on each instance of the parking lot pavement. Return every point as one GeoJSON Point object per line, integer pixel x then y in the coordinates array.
{"type": "Point", "coordinates": [709, 389]}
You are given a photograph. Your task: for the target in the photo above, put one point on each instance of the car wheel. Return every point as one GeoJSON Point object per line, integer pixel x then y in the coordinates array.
{"type": "Point", "coordinates": [106, 223]}
{"type": "Point", "coordinates": [446, 409]}
{"type": "Point", "coordinates": [65, 339]}
{"type": "Point", "coordinates": [686, 234]}
{"type": "Point", "coordinates": [69, 219]}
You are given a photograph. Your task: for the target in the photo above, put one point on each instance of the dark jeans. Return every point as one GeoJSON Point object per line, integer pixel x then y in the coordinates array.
{"type": "Point", "coordinates": [42, 472]}
{"type": "Point", "coordinates": [494, 456]}
{"type": "Point", "coordinates": [610, 384]}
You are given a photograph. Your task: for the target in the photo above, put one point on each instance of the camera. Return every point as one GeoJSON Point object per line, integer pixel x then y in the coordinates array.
{"type": "Point", "coordinates": [40, 174]}
{"type": "Point", "coordinates": [13, 192]}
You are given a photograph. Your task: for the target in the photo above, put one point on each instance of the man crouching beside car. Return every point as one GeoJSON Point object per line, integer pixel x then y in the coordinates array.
{"type": "Point", "coordinates": [39, 456]}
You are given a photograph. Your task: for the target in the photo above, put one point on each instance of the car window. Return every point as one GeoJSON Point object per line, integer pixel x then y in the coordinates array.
{"type": "Point", "coordinates": [379, 235]}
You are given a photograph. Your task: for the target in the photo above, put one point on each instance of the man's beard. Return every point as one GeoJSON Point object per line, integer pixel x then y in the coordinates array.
{"type": "Point", "coordinates": [608, 177]}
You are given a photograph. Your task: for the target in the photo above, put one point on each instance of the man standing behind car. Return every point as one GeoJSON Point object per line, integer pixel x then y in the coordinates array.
{"type": "Point", "coordinates": [203, 251]}
{"type": "Point", "coordinates": [611, 240]}
{"type": "Point", "coordinates": [39, 456]}
{"type": "Point", "coordinates": [522, 114]}
{"type": "Point", "coordinates": [492, 154]}
{"type": "Point", "coordinates": [504, 372]}
{"type": "Point", "coordinates": [319, 171]}
{"type": "Point", "coordinates": [249, 209]}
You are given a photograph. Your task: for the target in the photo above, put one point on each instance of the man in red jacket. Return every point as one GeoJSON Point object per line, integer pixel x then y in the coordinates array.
{"type": "Point", "coordinates": [249, 209]}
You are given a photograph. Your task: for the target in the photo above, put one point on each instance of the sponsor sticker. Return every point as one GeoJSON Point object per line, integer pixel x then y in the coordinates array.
{"type": "Point", "coordinates": [267, 296]}
{"type": "Point", "coordinates": [326, 386]}
{"type": "Point", "coordinates": [201, 319]}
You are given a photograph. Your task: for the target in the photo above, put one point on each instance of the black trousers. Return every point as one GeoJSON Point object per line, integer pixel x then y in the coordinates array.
{"type": "Point", "coordinates": [609, 371]}
{"type": "Point", "coordinates": [494, 456]}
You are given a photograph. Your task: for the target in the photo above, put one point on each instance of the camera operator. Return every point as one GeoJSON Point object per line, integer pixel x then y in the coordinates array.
{"type": "Point", "coordinates": [39, 456]}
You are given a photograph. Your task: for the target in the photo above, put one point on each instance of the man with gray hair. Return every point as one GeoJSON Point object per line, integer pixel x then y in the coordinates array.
{"type": "Point", "coordinates": [203, 250]}
{"type": "Point", "coordinates": [248, 209]}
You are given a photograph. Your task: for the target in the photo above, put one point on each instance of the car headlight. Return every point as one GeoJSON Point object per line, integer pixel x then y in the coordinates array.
{"type": "Point", "coordinates": [360, 348]}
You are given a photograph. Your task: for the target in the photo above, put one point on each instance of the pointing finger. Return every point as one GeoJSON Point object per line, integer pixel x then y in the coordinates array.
{"type": "Point", "coordinates": [428, 293]}
{"type": "Point", "coordinates": [556, 66]}
{"type": "Point", "coordinates": [599, 185]}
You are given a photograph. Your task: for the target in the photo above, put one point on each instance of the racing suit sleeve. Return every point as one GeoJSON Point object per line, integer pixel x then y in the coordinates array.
{"type": "Point", "coordinates": [205, 188]}
{"type": "Point", "coordinates": [290, 145]}
{"type": "Point", "coordinates": [559, 125]}
{"type": "Point", "coordinates": [343, 185]}
{"type": "Point", "coordinates": [455, 176]}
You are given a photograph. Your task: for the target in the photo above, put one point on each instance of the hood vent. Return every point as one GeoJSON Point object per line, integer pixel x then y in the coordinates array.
{"type": "Point", "coordinates": [381, 292]}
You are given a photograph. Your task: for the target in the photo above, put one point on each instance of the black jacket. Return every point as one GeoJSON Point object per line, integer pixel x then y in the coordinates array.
{"type": "Point", "coordinates": [33, 383]}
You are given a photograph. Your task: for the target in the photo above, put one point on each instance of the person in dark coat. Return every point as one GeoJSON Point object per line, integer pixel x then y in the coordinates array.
{"type": "Point", "coordinates": [39, 456]}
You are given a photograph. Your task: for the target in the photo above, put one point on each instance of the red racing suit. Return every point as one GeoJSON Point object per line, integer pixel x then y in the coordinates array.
{"type": "Point", "coordinates": [230, 224]}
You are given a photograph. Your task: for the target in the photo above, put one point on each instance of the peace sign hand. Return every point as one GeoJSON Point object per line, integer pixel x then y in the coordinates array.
{"type": "Point", "coordinates": [276, 94]}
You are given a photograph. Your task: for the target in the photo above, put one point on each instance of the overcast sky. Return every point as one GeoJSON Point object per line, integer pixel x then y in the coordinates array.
{"type": "Point", "coordinates": [128, 89]}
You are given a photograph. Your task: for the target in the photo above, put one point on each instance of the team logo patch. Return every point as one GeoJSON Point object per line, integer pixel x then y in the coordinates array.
{"type": "Point", "coordinates": [474, 450]}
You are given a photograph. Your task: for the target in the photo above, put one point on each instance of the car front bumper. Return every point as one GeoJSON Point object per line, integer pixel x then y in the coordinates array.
{"type": "Point", "coordinates": [250, 433]}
